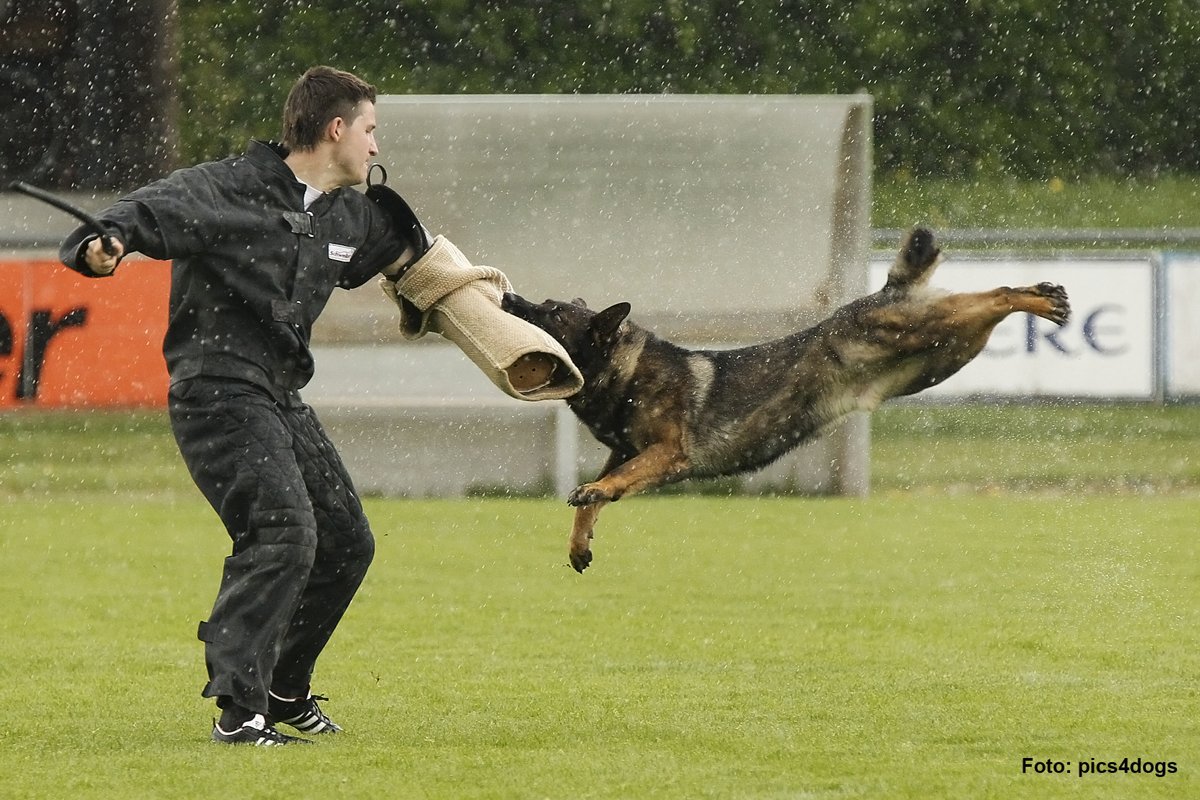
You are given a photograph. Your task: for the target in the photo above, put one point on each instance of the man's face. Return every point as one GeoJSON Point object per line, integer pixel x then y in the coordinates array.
{"type": "Point", "coordinates": [357, 147]}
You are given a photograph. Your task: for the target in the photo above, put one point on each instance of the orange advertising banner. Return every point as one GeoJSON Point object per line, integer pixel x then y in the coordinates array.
{"type": "Point", "coordinates": [67, 341]}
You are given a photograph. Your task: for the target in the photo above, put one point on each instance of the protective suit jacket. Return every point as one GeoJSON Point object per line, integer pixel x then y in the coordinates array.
{"type": "Point", "coordinates": [252, 269]}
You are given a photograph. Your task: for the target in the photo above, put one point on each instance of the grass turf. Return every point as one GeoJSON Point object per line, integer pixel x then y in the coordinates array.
{"type": "Point", "coordinates": [1142, 449]}
{"type": "Point", "coordinates": [1170, 201]}
{"type": "Point", "coordinates": [918, 643]}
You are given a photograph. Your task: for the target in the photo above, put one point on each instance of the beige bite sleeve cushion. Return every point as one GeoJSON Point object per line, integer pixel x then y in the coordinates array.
{"type": "Point", "coordinates": [444, 293]}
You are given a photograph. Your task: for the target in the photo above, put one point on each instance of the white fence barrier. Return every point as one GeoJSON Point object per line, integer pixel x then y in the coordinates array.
{"type": "Point", "coordinates": [1179, 286]}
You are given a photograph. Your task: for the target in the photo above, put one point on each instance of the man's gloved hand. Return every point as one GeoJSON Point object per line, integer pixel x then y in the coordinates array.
{"type": "Point", "coordinates": [99, 260]}
{"type": "Point", "coordinates": [409, 228]}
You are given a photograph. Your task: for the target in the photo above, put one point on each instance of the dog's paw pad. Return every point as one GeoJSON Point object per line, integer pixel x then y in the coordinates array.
{"type": "Point", "coordinates": [586, 495]}
{"type": "Point", "coordinates": [1060, 306]}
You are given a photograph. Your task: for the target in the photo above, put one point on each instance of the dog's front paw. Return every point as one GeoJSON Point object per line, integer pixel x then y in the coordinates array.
{"type": "Point", "coordinates": [588, 494]}
{"type": "Point", "coordinates": [580, 559]}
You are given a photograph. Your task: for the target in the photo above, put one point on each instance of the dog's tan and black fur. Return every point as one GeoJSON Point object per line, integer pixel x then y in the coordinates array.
{"type": "Point", "coordinates": [669, 413]}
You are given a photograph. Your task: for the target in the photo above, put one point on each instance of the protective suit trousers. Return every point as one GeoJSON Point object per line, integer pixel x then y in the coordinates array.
{"type": "Point", "coordinates": [301, 543]}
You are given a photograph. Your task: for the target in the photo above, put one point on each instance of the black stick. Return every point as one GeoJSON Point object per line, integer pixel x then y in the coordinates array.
{"type": "Point", "coordinates": [75, 211]}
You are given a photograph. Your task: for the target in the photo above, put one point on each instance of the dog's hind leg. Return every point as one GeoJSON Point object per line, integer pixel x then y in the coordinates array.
{"type": "Point", "coordinates": [952, 330]}
{"type": "Point", "coordinates": [965, 320]}
{"type": "Point", "coordinates": [1046, 300]}
{"type": "Point", "coordinates": [976, 314]}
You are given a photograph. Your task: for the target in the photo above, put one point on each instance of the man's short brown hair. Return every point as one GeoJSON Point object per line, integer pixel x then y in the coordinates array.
{"type": "Point", "coordinates": [316, 98]}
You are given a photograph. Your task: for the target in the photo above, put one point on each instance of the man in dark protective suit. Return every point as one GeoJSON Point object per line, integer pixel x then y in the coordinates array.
{"type": "Point", "coordinates": [258, 243]}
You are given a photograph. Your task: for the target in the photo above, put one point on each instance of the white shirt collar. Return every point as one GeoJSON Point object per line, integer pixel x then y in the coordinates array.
{"type": "Point", "coordinates": [311, 193]}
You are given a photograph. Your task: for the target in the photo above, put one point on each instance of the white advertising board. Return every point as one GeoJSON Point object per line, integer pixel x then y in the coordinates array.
{"type": "Point", "coordinates": [1182, 306]}
{"type": "Point", "coordinates": [1105, 350]}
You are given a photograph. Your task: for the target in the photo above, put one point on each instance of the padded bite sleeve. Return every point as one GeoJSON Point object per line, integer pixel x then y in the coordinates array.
{"type": "Point", "coordinates": [445, 293]}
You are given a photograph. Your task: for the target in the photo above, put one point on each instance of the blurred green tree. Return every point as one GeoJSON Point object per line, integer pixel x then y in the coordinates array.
{"type": "Point", "coordinates": [961, 87]}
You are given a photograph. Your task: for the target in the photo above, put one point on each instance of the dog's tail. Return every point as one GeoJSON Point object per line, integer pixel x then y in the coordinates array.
{"type": "Point", "coordinates": [916, 260]}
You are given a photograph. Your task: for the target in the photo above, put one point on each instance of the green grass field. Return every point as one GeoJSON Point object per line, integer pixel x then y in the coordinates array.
{"type": "Point", "coordinates": [1024, 582]}
{"type": "Point", "coordinates": [1169, 201]}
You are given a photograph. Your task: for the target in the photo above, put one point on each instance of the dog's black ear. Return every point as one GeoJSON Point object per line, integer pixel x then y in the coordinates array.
{"type": "Point", "coordinates": [578, 301]}
{"type": "Point", "coordinates": [604, 325]}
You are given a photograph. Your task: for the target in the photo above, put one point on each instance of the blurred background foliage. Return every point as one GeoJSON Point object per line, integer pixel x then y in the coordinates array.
{"type": "Point", "coordinates": [961, 88]}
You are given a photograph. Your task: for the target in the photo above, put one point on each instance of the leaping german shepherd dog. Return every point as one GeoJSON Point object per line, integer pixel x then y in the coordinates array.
{"type": "Point", "coordinates": [669, 413]}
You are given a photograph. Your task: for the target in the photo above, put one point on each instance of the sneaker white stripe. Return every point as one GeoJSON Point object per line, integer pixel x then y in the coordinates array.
{"type": "Point", "coordinates": [306, 716]}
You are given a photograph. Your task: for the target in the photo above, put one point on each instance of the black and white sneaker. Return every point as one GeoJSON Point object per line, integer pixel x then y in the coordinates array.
{"type": "Point", "coordinates": [255, 731]}
{"type": "Point", "coordinates": [301, 713]}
